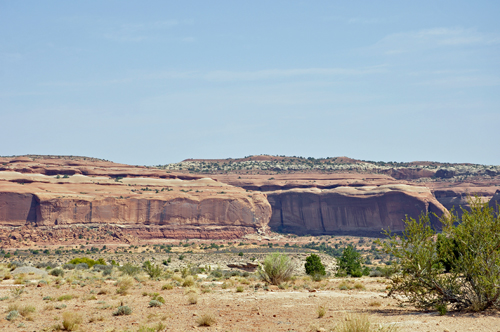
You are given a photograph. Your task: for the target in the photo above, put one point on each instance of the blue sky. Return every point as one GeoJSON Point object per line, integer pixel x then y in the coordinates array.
{"type": "Point", "coordinates": [160, 81]}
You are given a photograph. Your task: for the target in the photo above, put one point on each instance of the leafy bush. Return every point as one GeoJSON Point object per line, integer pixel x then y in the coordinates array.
{"type": "Point", "coordinates": [69, 266]}
{"type": "Point", "coordinates": [276, 268]}
{"type": "Point", "coordinates": [350, 262]}
{"type": "Point", "coordinates": [460, 269]}
{"type": "Point", "coordinates": [314, 266]}
{"type": "Point", "coordinates": [153, 270]}
{"type": "Point", "coordinates": [57, 272]}
{"type": "Point", "coordinates": [122, 311]}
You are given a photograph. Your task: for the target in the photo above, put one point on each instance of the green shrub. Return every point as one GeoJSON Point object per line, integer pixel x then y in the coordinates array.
{"type": "Point", "coordinates": [350, 262]}
{"type": "Point", "coordinates": [129, 269]}
{"type": "Point", "coordinates": [276, 268]}
{"type": "Point", "coordinates": [462, 271]}
{"type": "Point", "coordinates": [122, 311]}
{"type": "Point", "coordinates": [57, 272]}
{"type": "Point", "coordinates": [153, 270]}
{"type": "Point", "coordinates": [65, 297]}
{"type": "Point", "coordinates": [314, 266]}
{"type": "Point", "coordinates": [86, 260]}
{"type": "Point", "coordinates": [12, 315]}
{"type": "Point", "coordinates": [154, 303]}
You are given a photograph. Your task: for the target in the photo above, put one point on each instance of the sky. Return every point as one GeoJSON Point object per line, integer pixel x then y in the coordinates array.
{"type": "Point", "coordinates": [157, 82]}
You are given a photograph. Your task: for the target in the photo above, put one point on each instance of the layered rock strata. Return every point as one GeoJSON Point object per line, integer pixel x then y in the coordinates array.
{"type": "Point", "coordinates": [348, 210]}
{"type": "Point", "coordinates": [142, 207]}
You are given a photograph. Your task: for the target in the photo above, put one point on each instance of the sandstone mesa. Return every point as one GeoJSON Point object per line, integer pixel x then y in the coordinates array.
{"type": "Point", "coordinates": [44, 199]}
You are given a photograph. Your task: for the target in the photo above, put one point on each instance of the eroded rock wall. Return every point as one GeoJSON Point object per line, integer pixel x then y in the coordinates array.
{"type": "Point", "coordinates": [349, 210]}
{"type": "Point", "coordinates": [193, 216]}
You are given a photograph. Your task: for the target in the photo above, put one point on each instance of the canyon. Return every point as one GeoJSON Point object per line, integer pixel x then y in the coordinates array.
{"type": "Point", "coordinates": [47, 199]}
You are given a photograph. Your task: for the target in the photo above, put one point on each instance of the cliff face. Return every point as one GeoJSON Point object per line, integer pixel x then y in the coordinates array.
{"type": "Point", "coordinates": [360, 211]}
{"type": "Point", "coordinates": [176, 217]}
{"type": "Point", "coordinates": [153, 206]}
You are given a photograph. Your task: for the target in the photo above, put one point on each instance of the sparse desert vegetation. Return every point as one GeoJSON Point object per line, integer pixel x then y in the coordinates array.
{"type": "Point", "coordinates": [123, 293]}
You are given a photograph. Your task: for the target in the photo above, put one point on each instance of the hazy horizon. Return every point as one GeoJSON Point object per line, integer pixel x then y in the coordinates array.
{"type": "Point", "coordinates": [160, 82]}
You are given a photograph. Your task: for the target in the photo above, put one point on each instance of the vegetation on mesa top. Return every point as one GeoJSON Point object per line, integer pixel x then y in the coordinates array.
{"type": "Point", "coordinates": [291, 164]}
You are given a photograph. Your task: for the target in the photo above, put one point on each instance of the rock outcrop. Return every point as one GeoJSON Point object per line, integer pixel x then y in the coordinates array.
{"type": "Point", "coordinates": [348, 210]}
{"type": "Point", "coordinates": [147, 207]}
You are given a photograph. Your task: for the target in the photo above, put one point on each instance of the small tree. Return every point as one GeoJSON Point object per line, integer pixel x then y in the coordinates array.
{"type": "Point", "coordinates": [276, 268]}
{"type": "Point", "coordinates": [350, 262]}
{"type": "Point", "coordinates": [460, 268]}
{"type": "Point", "coordinates": [314, 266]}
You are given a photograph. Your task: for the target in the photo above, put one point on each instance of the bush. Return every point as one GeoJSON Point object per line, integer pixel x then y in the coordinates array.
{"type": "Point", "coordinates": [154, 271]}
{"type": "Point", "coordinates": [155, 303]}
{"type": "Point", "coordinates": [122, 311]}
{"type": "Point", "coordinates": [314, 266]}
{"type": "Point", "coordinates": [276, 269]}
{"type": "Point", "coordinates": [69, 266]}
{"type": "Point", "coordinates": [57, 272]}
{"type": "Point", "coordinates": [88, 261]}
{"type": "Point", "coordinates": [167, 287]}
{"type": "Point", "coordinates": [130, 269]}
{"type": "Point", "coordinates": [350, 262]}
{"type": "Point", "coordinates": [462, 270]}
{"type": "Point", "coordinates": [81, 266]}
{"type": "Point", "coordinates": [12, 315]}
{"type": "Point", "coordinates": [188, 282]}
{"type": "Point", "coordinates": [65, 297]}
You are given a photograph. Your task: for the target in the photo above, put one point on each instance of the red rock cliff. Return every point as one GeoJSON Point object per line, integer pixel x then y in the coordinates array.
{"type": "Point", "coordinates": [361, 211]}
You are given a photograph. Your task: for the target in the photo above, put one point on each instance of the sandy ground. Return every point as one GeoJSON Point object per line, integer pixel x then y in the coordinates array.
{"type": "Point", "coordinates": [293, 308]}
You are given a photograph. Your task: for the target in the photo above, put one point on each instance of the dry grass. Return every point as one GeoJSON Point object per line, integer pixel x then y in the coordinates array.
{"type": "Point", "coordinates": [321, 311]}
{"type": "Point", "coordinates": [192, 298]}
{"type": "Point", "coordinates": [124, 285]}
{"type": "Point", "coordinates": [206, 319]}
{"type": "Point", "coordinates": [26, 310]}
{"type": "Point", "coordinates": [71, 320]}
{"type": "Point", "coordinates": [188, 282]}
{"type": "Point", "coordinates": [375, 304]}
{"type": "Point", "coordinates": [359, 286]}
{"type": "Point", "coordinates": [362, 323]}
